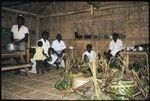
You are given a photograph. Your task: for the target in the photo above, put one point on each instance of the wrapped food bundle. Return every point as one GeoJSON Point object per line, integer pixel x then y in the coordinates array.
{"type": "Point", "coordinates": [65, 82]}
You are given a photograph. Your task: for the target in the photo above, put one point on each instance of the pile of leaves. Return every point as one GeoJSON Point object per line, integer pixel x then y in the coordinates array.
{"type": "Point", "coordinates": [67, 79]}
{"type": "Point", "coordinates": [116, 63]}
{"type": "Point", "coordinates": [65, 82]}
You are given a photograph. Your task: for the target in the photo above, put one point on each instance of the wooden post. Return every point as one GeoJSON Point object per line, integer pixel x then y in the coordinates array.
{"type": "Point", "coordinates": [28, 51]}
{"type": "Point", "coordinates": [92, 20]}
{"type": "Point", "coordinates": [37, 27]}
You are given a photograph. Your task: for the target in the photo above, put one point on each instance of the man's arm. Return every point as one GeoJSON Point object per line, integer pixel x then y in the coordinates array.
{"type": "Point", "coordinates": [12, 37]}
{"type": "Point", "coordinates": [63, 51]}
{"type": "Point", "coordinates": [55, 51]}
{"type": "Point", "coordinates": [86, 58]}
{"type": "Point", "coordinates": [22, 40]}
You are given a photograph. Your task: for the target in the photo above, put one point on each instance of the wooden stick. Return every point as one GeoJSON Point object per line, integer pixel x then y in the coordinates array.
{"type": "Point", "coordinates": [15, 67]}
{"type": "Point", "coordinates": [14, 10]}
{"type": "Point", "coordinates": [139, 83]}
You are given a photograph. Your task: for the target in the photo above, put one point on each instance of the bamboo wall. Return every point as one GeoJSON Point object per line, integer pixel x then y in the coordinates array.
{"type": "Point", "coordinates": [129, 18]}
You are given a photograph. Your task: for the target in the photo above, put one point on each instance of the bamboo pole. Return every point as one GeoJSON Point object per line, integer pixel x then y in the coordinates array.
{"type": "Point", "coordinates": [18, 11]}
{"type": "Point", "coordinates": [98, 92]}
{"type": "Point", "coordinates": [88, 10]}
{"type": "Point", "coordinates": [37, 27]}
{"type": "Point", "coordinates": [15, 67]}
{"type": "Point", "coordinates": [139, 83]}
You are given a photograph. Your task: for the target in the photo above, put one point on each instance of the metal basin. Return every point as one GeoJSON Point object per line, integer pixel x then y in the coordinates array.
{"type": "Point", "coordinates": [11, 47]}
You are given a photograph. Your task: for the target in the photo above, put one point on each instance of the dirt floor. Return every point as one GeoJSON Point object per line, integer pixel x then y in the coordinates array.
{"type": "Point", "coordinates": [37, 86]}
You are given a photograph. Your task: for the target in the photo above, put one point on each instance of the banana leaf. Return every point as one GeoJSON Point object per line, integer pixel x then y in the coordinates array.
{"type": "Point", "coordinates": [65, 82]}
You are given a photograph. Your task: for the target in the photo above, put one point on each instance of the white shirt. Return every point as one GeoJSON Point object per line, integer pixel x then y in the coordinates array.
{"type": "Point", "coordinates": [115, 47]}
{"type": "Point", "coordinates": [46, 45]}
{"type": "Point", "coordinates": [21, 33]}
{"type": "Point", "coordinates": [58, 46]}
{"type": "Point", "coordinates": [91, 56]}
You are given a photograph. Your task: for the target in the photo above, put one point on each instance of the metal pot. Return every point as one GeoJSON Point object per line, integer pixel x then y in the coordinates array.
{"type": "Point", "coordinates": [11, 47]}
{"type": "Point", "coordinates": [140, 48]}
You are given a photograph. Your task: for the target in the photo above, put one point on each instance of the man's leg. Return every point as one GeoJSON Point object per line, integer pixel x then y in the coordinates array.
{"type": "Point", "coordinates": [108, 55]}
{"type": "Point", "coordinates": [46, 65]}
{"type": "Point", "coordinates": [17, 71]}
{"type": "Point", "coordinates": [57, 65]}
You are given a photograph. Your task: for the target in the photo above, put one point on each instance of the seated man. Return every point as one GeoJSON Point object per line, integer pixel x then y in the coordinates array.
{"type": "Point", "coordinates": [59, 48]}
{"type": "Point", "coordinates": [115, 47]}
{"type": "Point", "coordinates": [89, 55]}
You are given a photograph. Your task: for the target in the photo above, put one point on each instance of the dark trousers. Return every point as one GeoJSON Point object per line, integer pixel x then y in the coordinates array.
{"type": "Point", "coordinates": [108, 55]}
{"type": "Point", "coordinates": [39, 66]}
{"type": "Point", "coordinates": [46, 65]}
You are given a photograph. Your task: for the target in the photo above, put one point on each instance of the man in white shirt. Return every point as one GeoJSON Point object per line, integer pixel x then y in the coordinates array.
{"type": "Point", "coordinates": [20, 33]}
{"type": "Point", "coordinates": [89, 55]}
{"type": "Point", "coordinates": [115, 47]}
{"type": "Point", "coordinates": [19, 36]}
{"type": "Point", "coordinates": [59, 48]}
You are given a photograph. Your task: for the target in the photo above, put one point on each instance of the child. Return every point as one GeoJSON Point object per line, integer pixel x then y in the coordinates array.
{"type": "Point", "coordinates": [39, 57]}
{"type": "Point", "coordinates": [89, 55]}
{"type": "Point", "coordinates": [54, 58]}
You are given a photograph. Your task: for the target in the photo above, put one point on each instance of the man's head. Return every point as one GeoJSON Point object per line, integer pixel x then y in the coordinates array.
{"type": "Point", "coordinates": [115, 36]}
{"type": "Point", "coordinates": [40, 44]}
{"type": "Point", "coordinates": [45, 35]}
{"type": "Point", "coordinates": [59, 37]}
{"type": "Point", "coordinates": [89, 47]}
{"type": "Point", "coordinates": [20, 20]}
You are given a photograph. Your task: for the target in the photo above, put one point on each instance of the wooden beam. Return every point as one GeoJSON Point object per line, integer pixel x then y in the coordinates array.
{"type": "Point", "coordinates": [68, 13]}
{"type": "Point", "coordinates": [11, 4]}
{"type": "Point", "coordinates": [48, 7]}
{"type": "Point", "coordinates": [14, 10]}
{"type": "Point", "coordinates": [89, 10]}
{"type": "Point", "coordinates": [15, 67]}
{"type": "Point", "coordinates": [93, 4]}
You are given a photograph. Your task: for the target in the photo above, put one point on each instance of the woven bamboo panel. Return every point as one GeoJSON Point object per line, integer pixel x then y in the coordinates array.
{"type": "Point", "coordinates": [131, 21]}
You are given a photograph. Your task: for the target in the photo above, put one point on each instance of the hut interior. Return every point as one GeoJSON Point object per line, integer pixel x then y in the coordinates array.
{"type": "Point", "coordinates": [80, 23]}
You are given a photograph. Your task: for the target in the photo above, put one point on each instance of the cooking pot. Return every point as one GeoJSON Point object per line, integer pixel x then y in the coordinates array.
{"type": "Point", "coordinates": [11, 47]}
{"type": "Point", "coordinates": [140, 48]}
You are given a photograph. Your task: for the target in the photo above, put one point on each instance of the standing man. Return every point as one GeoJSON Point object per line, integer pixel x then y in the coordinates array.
{"type": "Point", "coordinates": [19, 35]}
{"type": "Point", "coordinates": [59, 48]}
{"type": "Point", "coordinates": [115, 47]}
